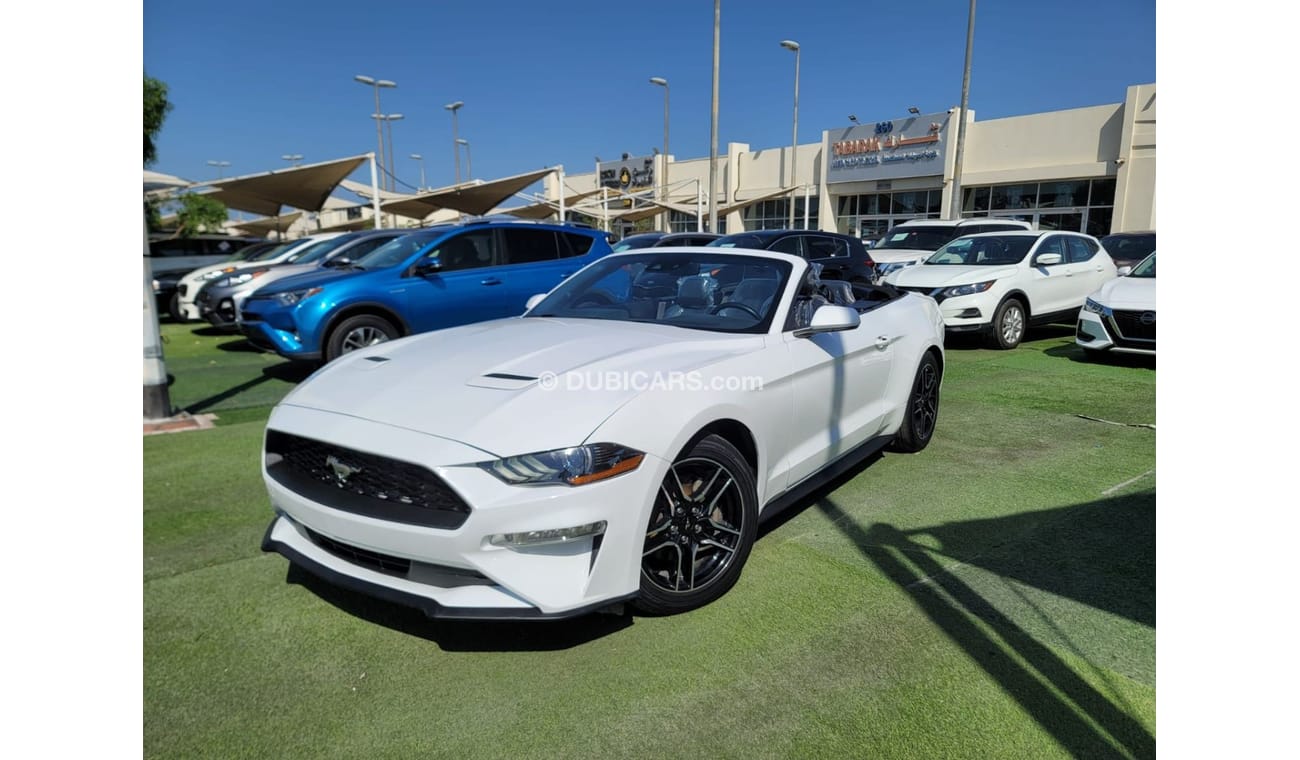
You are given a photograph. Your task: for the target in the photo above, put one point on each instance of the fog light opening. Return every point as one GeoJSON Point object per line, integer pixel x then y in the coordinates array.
{"type": "Point", "coordinates": [550, 536]}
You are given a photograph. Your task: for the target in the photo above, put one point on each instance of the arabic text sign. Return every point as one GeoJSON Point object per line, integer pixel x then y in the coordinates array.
{"type": "Point", "coordinates": [909, 147]}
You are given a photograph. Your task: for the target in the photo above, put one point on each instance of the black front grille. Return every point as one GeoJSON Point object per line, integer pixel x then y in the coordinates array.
{"type": "Point", "coordinates": [1131, 325]}
{"type": "Point", "coordinates": [384, 563]}
{"type": "Point", "coordinates": [366, 484]}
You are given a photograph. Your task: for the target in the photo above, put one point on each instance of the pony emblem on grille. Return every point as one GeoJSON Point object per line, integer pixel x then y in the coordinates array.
{"type": "Point", "coordinates": [342, 470]}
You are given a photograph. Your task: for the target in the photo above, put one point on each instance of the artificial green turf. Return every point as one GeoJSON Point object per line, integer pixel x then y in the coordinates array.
{"type": "Point", "coordinates": [992, 596]}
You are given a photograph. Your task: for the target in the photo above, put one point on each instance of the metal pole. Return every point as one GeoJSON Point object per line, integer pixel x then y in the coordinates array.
{"type": "Point", "coordinates": [560, 178]}
{"type": "Point", "coordinates": [713, 120]}
{"type": "Point", "coordinates": [699, 206]}
{"type": "Point", "coordinates": [807, 198]}
{"type": "Point", "coordinates": [157, 399]}
{"type": "Point", "coordinates": [379, 130]}
{"type": "Point", "coordinates": [455, 134]}
{"type": "Point", "coordinates": [390, 170]}
{"type": "Point", "coordinates": [374, 193]}
{"type": "Point", "coordinates": [794, 141]}
{"type": "Point", "coordinates": [954, 207]}
{"type": "Point", "coordinates": [469, 160]}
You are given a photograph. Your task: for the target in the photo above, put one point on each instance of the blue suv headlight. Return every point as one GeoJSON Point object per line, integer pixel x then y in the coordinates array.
{"type": "Point", "coordinates": [291, 297]}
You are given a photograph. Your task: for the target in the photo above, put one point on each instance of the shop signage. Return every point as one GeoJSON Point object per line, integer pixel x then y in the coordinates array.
{"type": "Point", "coordinates": [892, 149]}
{"type": "Point", "coordinates": [628, 175]}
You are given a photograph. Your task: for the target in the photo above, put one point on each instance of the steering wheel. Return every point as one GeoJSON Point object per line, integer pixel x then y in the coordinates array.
{"type": "Point", "coordinates": [737, 305]}
{"type": "Point", "coordinates": [594, 298]}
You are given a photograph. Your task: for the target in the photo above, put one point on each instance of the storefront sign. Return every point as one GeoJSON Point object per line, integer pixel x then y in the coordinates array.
{"type": "Point", "coordinates": [628, 175]}
{"type": "Point", "coordinates": [910, 147]}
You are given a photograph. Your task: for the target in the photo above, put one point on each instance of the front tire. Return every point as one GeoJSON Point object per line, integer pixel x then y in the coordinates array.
{"type": "Point", "coordinates": [358, 332]}
{"type": "Point", "coordinates": [174, 309]}
{"type": "Point", "coordinates": [922, 408]}
{"type": "Point", "coordinates": [702, 527]}
{"type": "Point", "coordinates": [1009, 324]}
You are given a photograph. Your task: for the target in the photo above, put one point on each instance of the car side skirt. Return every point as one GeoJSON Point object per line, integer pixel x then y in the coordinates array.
{"type": "Point", "coordinates": [429, 607]}
{"type": "Point", "coordinates": [823, 476]}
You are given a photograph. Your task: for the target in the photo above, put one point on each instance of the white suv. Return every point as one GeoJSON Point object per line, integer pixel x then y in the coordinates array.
{"type": "Point", "coordinates": [911, 242]}
{"type": "Point", "coordinates": [999, 283]}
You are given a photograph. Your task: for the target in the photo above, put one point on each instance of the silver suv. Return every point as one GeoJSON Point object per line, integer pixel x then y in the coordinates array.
{"type": "Point", "coordinates": [913, 241]}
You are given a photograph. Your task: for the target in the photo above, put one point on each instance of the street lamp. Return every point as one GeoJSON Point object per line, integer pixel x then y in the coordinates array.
{"type": "Point", "coordinates": [794, 145]}
{"type": "Point", "coordinates": [954, 205]}
{"type": "Point", "coordinates": [469, 161]}
{"type": "Point", "coordinates": [454, 107]}
{"type": "Point", "coordinates": [713, 119]}
{"type": "Point", "coordinates": [379, 132]}
{"type": "Point", "coordinates": [389, 169]}
{"type": "Point", "coordinates": [220, 165]}
{"type": "Point", "coordinates": [660, 81]}
{"type": "Point", "coordinates": [293, 158]}
{"type": "Point", "coordinates": [420, 158]}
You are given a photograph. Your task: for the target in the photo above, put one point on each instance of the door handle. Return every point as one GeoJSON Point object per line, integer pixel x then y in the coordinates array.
{"type": "Point", "coordinates": [885, 341]}
{"type": "Point", "coordinates": [490, 281]}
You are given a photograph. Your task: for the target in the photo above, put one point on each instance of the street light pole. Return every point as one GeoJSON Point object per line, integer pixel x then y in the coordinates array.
{"type": "Point", "coordinates": [220, 165]}
{"type": "Point", "coordinates": [293, 158]}
{"type": "Point", "coordinates": [664, 180]}
{"type": "Point", "coordinates": [954, 206]}
{"type": "Point", "coordinates": [420, 158]}
{"type": "Point", "coordinates": [379, 131]}
{"type": "Point", "coordinates": [390, 159]}
{"type": "Point", "coordinates": [794, 142]}
{"type": "Point", "coordinates": [455, 134]}
{"type": "Point", "coordinates": [713, 120]}
{"type": "Point", "coordinates": [469, 161]}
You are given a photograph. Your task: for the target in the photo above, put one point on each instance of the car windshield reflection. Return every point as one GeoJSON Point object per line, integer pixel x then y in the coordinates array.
{"type": "Point", "coordinates": [984, 250]}
{"type": "Point", "coordinates": [703, 291]}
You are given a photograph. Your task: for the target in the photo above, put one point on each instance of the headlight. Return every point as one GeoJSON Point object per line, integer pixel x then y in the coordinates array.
{"type": "Point", "coordinates": [968, 290]}
{"type": "Point", "coordinates": [575, 466]}
{"type": "Point", "coordinates": [239, 279]}
{"type": "Point", "coordinates": [1095, 308]}
{"type": "Point", "coordinates": [884, 269]}
{"type": "Point", "coordinates": [216, 274]}
{"type": "Point", "coordinates": [289, 298]}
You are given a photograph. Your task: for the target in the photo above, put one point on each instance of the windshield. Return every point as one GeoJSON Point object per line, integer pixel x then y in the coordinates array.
{"type": "Point", "coordinates": [250, 252]}
{"type": "Point", "coordinates": [317, 251]}
{"type": "Point", "coordinates": [636, 241]}
{"type": "Point", "coordinates": [1146, 269]}
{"type": "Point", "coordinates": [917, 238]}
{"type": "Point", "coordinates": [721, 292]}
{"type": "Point", "coordinates": [984, 250]}
{"type": "Point", "coordinates": [271, 252]}
{"type": "Point", "coordinates": [1129, 247]}
{"type": "Point", "coordinates": [395, 252]}
{"type": "Point", "coordinates": [739, 240]}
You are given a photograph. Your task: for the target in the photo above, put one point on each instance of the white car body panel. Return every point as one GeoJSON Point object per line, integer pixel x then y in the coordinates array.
{"type": "Point", "coordinates": [432, 403]}
{"type": "Point", "coordinates": [1100, 332]}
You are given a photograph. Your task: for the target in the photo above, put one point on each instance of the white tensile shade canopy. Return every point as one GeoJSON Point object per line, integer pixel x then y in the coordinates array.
{"type": "Point", "coordinates": [303, 187]}
{"type": "Point", "coordinates": [471, 198]}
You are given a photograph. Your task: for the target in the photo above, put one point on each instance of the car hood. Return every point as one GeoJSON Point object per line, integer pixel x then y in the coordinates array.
{"type": "Point", "coordinates": [312, 277]}
{"type": "Point", "coordinates": [1128, 294]}
{"type": "Point", "coordinates": [947, 275]}
{"type": "Point", "coordinates": [895, 255]}
{"type": "Point", "coordinates": [516, 385]}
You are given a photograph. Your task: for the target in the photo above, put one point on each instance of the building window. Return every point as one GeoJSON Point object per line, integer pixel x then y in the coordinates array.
{"type": "Point", "coordinates": [1078, 205]}
{"type": "Point", "coordinates": [680, 221]}
{"type": "Point", "coordinates": [774, 214]}
{"type": "Point", "coordinates": [870, 215]}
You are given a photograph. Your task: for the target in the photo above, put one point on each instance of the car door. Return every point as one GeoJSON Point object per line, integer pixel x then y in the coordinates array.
{"type": "Point", "coordinates": [838, 381]}
{"type": "Point", "coordinates": [465, 288]}
{"type": "Point", "coordinates": [1091, 267]}
{"type": "Point", "coordinates": [533, 265]}
{"type": "Point", "coordinates": [1050, 286]}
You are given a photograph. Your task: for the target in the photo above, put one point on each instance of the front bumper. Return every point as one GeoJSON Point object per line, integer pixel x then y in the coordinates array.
{"type": "Point", "coordinates": [1099, 333]}
{"type": "Point", "coordinates": [456, 572]}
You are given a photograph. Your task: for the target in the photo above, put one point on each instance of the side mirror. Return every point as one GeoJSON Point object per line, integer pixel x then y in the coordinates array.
{"type": "Point", "coordinates": [426, 267]}
{"type": "Point", "coordinates": [829, 318]}
{"type": "Point", "coordinates": [1047, 259]}
{"type": "Point", "coordinates": [533, 301]}
{"type": "Point", "coordinates": [1124, 271]}
{"type": "Point", "coordinates": [341, 261]}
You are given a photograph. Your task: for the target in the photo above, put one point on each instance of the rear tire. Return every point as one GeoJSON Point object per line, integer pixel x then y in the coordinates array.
{"type": "Point", "coordinates": [174, 308]}
{"type": "Point", "coordinates": [702, 526]}
{"type": "Point", "coordinates": [358, 332]}
{"type": "Point", "coordinates": [922, 408]}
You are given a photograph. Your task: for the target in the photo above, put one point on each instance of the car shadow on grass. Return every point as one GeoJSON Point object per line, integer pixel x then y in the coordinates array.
{"type": "Point", "coordinates": [1101, 554]}
{"type": "Point", "coordinates": [462, 635]}
{"type": "Point", "coordinates": [969, 341]}
{"type": "Point", "coordinates": [239, 345]}
{"type": "Point", "coordinates": [1075, 353]}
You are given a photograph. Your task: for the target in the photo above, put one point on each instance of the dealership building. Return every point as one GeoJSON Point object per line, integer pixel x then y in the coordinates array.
{"type": "Point", "coordinates": [1087, 169]}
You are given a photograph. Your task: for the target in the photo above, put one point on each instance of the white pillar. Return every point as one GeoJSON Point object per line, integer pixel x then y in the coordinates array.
{"type": "Point", "coordinates": [374, 192]}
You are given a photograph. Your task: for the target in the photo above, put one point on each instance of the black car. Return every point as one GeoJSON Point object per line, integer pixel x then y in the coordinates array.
{"type": "Point", "coordinates": [842, 257]}
{"type": "Point", "coordinates": [1127, 249]}
{"type": "Point", "coordinates": [641, 240]}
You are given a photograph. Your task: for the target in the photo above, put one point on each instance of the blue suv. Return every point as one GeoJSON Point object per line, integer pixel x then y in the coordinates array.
{"type": "Point", "coordinates": [432, 278]}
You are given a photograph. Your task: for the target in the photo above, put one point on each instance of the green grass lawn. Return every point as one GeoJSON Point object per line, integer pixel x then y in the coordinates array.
{"type": "Point", "coordinates": [992, 596]}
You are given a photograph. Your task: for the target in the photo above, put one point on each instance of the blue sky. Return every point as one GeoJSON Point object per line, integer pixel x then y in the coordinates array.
{"type": "Point", "coordinates": [254, 81]}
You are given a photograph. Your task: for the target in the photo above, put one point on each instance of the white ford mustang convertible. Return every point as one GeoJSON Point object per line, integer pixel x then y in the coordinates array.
{"type": "Point", "coordinates": [619, 442]}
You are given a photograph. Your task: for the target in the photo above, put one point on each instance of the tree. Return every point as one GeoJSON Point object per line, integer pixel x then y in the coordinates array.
{"type": "Point", "coordinates": [156, 107]}
{"type": "Point", "coordinates": [199, 213]}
